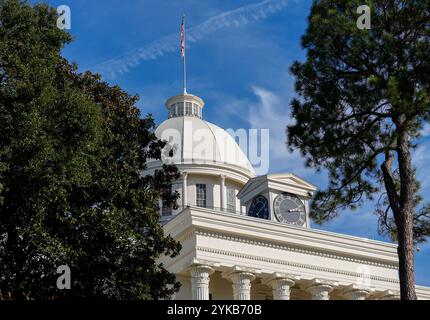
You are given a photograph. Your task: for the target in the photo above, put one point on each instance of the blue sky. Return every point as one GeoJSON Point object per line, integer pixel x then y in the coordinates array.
{"type": "Point", "coordinates": [238, 61]}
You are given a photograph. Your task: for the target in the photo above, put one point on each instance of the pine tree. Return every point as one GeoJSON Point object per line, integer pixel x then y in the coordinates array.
{"type": "Point", "coordinates": [363, 100]}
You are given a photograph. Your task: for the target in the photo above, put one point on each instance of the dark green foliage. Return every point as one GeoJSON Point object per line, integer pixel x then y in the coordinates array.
{"type": "Point", "coordinates": [364, 96]}
{"type": "Point", "coordinates": [72, 149]}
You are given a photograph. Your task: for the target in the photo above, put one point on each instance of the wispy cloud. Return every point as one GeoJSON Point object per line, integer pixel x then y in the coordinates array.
{"type": "Point", "coordinates": [269, 112]}
{"type": "Point", "coordinates": [233, 18]}
{"type": "Point", "coordinates": [272, 111]}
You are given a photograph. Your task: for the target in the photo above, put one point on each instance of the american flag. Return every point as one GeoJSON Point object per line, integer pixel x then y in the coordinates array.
{"type": "Point", "coordinates": [183, 38]}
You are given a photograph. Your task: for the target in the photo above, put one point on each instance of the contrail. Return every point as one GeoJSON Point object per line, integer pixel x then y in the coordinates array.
{"type": "Point", "coordinates": [234, 18]}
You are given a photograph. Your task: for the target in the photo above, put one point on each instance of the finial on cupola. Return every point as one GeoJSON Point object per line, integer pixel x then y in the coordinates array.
{"type": "Point", "coordinates": [184, 65]}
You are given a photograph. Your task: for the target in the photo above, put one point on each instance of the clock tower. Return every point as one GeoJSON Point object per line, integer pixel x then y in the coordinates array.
{"type": "Point", "coordinates": [282, 198]}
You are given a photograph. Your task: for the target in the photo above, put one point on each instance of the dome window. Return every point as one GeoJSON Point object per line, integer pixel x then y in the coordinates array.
{"type": "Point", "coordinates": [180, 107]}
{"type": "Point", "coordinates": [172, 111]}
{"type": "Point", "coordinates": [201, 195]}
{"type": "Point", "coordinates": [166, 211]}
{"type": "Point", "coordinates": [189, 109]}
{"type": "Point", "coordinates": [231, 200]}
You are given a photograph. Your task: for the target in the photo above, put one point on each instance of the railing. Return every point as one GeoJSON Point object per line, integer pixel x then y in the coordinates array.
{"type": "Point", "coordinates": [224, 210]}
{"type": "Point", "coordinates": [217, 209]}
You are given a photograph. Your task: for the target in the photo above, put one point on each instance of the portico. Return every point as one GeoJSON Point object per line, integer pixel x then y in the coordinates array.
{"type": "Point", "coordinates": [234, 257]}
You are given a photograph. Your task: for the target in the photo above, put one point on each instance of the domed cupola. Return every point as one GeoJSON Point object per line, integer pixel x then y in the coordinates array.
{"type": "Point", "coordinates": [212, 164]}
{"type": "Point", "coordinates": [196, 141]}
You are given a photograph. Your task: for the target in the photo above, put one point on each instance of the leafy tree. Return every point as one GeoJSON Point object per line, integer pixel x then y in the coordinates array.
{"type": "Point", "coordinates": [72, 149]}
{"type": "Point", "coordinates": [363, 100]}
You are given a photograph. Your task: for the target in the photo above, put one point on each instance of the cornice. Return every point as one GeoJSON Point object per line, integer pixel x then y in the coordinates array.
{"type": "Point", "coordinates": [293, 264]}
{"type": "Point", "coordinates": [304, 237]}
{"type": "Point", "coordinates": [275, 234]}
{"type": "Point", "coordinates": [213, 168]}
{"type": "Point", "coordinates": [291, 248]}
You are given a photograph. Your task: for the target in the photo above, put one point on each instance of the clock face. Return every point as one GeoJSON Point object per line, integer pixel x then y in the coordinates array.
{"type": "Point", "coordinates": [259, 208]}
{"type": "Point", "coordinates": [289, 209]}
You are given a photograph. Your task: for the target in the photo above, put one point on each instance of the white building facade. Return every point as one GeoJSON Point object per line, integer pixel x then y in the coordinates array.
{"type": "Point", "coordinates": [248, 237]}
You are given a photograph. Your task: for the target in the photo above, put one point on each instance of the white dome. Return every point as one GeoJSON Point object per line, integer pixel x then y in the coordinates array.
{"type": "Point", "coordinates": [196, 141]}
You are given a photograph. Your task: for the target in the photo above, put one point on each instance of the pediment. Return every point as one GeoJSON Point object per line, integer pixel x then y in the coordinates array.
{"type": "Point", "coordinates": [281, 182]}
{"type": "Point", "coordinates": [293, 180]}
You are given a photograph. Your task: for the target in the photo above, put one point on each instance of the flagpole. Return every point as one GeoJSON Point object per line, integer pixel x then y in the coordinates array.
{"type": "Point", "coordinates": [184, 62]}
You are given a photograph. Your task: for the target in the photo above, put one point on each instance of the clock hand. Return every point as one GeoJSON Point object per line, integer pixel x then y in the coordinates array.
{"type": "Point", "coordinates": [259, 211]}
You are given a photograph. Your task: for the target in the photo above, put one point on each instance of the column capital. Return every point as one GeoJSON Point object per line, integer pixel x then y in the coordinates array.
{"type": "Point", "coordinates": [389, 295]}
{"type": "Point", "coordinates": [280, 275]}
{"type": "Point", "coordinates": [198, 263]}
{"type": "Point", "coordinates": [201, 268]}
{"type": "Point", "coordinates": [281, 284]}
{"type": "Point", "coordinates": [320, 289]}
{"type": "Point", "coordinates": [356, 292]}
{"type": "Point", "coordinates": [241, 278]}
{"type": "Point", "coordinates": [184, 174]}
{"type": "Point", "coordinates": [200, 281]}
{"type": "Point", "coordinates": [238, 269]}
{"type": "Point", "coordinates": [193, 262]}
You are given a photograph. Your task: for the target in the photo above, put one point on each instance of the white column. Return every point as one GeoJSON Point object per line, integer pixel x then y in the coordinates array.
{"type": "Point", "coordinates": [320, 289]}
{"type": "Point", "coordinates": [354, 292]}
{"type": "Point", "coordinates": [242, 285]}
{"type": "Point", "coordinates": [184, 189]}
{"type": "Point", "coordinates": [200, 282]}
{"type": "Point", "coordinates": [223, 194]}
{"type": "Point", "coordinates": [281, 285]}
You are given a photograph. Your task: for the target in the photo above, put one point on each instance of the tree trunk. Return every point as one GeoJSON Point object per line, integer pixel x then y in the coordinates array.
{"type": "Point", "coordinates": [402, 206]}
{"type": "Point", "coordinates": [405, 251]}
{"type": "Point", "coordinates": [404, 218]}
